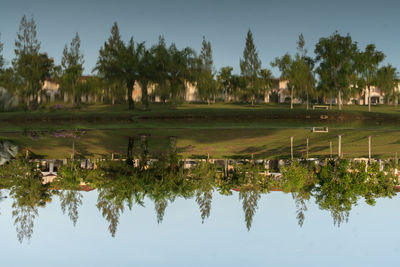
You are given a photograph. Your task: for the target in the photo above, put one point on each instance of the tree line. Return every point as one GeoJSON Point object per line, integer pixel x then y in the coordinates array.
{"type": "Point", "coordinates": [339, 70]}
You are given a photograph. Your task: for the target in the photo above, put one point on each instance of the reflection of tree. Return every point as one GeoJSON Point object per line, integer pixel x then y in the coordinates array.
{"type": "Point", "coordinates": [336, 186]}
{"type": "Point", "coordinates": [298, 180]}
{"type": "Point", "coordinates": [1, 197]}
{"type": "Point", "coordinates": [118, 186]}
{"type": "Point", "coordinates": [129, 155]}
{"type": "Point", "coordinates": [69, 176]}
{"type": "Point", "coordinates": [111, 210]}
{"type": "Point", "coordinates": [160, 206]}
{"type": "Point", "coordinates": [301, 207]}
{"type": "Point", "coordinates": [24, 220]}
{"type": "Point", "coordinates": [68, 179]}
{"type": "Point", "coordinates": [204, 199]}
{"type": "Point", "coordinates": [28, 193]}
{"type": "Point", "coordinates": [173, 158]}
{"type": "Point", "coordinates": [336, 190]}
{"type": "Point", "coordinates": [339, 187]}
{"type": "Point", "coordinates": [111, 202]}
{"type": "Point", "coordinates": [143, 152]}
{"type": "Point", "coordinates": [70, 201]}
{"type": "Point", "coordinates": [204, 174]}
{"type": "Point", "coordinates": [249, 202]}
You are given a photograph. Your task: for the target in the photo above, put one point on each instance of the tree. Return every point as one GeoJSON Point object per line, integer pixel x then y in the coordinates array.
{"type": "Point", "coordinates": [180, 70]}
{"type": "Point", "coordinates": [72, 67]}
{"type": "Point", "coordinates": [8, 77]}
{"type": "Point", "coordinates": [206, 83]}
{"type": "Point", "coordinates": [287, 66]}
{"type": "Point", "coordinates": [304, 76]}
{"type": "Point", "coordinates": [146, 70]}
{"type": "Point", "coordinates": [161, 61]}
{"type": "Point", "coordinates": [250, 200]}
{"type": "Point", "coordinates": [31, 65]}
{"type": "Point", "coordinates": [2, 61]}
{"type": "Point", "coordinates": [224, 82]}
{"type": "Point", "coordinates": [267, 81]}
{"type": "Point", "coordinates": [250, 66]}
{"type": "Point", "coordinates": [336, 55]}
{"type": "Point", "coordinates": [118, 61]}
{"type": "Point", "coordinates": [388, 82]}
{"type": "Point", "coordinates": [367, 66]}
{"type": "Point", "coordinates": [24, 181]}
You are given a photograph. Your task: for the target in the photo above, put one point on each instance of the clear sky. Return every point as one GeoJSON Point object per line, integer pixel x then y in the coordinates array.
{"type": "Point", "coordinates": [276, 24]}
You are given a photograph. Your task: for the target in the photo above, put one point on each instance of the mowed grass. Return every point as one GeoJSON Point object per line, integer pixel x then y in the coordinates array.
{"type": "Point", "coordinates": [217, 143]}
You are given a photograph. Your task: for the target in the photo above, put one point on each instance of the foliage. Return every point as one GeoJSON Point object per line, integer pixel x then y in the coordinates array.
{"type": "Point", "coordinates": [206, 84]}
{"type": "Point", "coordinates": [72, 68]}
{"type": "Point", "coordinates": [118, 61]}
{"type": "Point", "coordinates": [387, 80]}
{"type": "Point", "coordinates": [367, 65]}
{"type": "Point", "coordinates": [250, 67]}
{"type": "Point", "coordinates": [336, 57]}
{"type": "Point", "coordinates": [31, 65]}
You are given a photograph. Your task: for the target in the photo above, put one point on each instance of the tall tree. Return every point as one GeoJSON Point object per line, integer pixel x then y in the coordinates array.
{"type": "Point", "coordinates": [367, 65]}
{"type": "Point", "coordinates": [72, 67]}
{"type": "Point", "coordinates": [146, 70]}
{"type": "Point", "coordinates": [304, 80]}
{"type": "Point", "coordinates": [161, 62]}
{"type": "Point", "coordinates": [31, 65]}
{"type": "Point", "coordinates": [336, 55]}
{"type": "Point", "coordinates": [181, 69]}
{"type": "Point", "coordinates": [118, 61]}
{"type": "Point", "coordinates": [287, 66]}
{"type": "Point", "coordinates": [387, 81]}
{"type": "Point", "coordinates": [267, 81]}
{"type": "Point", "coordinates": [224, 81]}
{"type": "Point", "coordinates": [250, 66]}
{"type": "Point", "coordinates": [206, 83]}
{"type": "Point", "coordinates": [2, 62]}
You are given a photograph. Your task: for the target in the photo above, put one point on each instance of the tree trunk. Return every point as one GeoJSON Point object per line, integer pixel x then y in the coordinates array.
{"type": "Point", "coordinates": [291, 98]}
{"type": "Point", "coordinates": [131, 104]}
{"type": "Point", "coordinates": [145, 96]}
{"type": "Point", "coordinates": [369, 98]}
{"type": "Point", "coordinates": [307, 99]}
{"type": "Point", "coordinates": [340, 99]}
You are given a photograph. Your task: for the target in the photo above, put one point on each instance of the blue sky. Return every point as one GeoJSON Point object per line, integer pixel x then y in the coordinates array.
{"type": "Point", "coordinates": [275, 24]}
